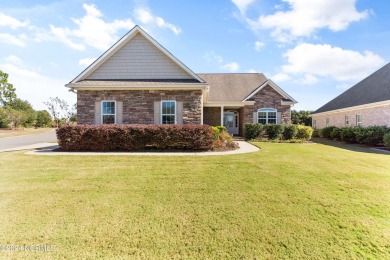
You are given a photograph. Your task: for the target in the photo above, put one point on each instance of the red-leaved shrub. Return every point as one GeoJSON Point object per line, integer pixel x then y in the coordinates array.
{"type": "Point", "coordinates": [134, 137]}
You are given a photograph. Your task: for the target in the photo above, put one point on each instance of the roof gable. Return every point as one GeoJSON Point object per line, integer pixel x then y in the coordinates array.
{"type": "Point", "coordinates": [375, 88]}
{"type": "Point", "coordinates": [275, 87]}
{"type": "Point", "coordinates": [137, 56]}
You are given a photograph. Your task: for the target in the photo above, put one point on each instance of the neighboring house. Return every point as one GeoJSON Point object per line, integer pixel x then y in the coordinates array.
{"type": "Point", "coordinates": [137, 81]}
{"type": "Point", "coordinates": [366, 104]}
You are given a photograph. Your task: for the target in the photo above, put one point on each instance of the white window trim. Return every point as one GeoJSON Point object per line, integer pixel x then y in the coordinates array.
{"type": "Point", "coordinates": [267, 109]}
{"type": "Point", "coordinates": [101, 103]}
{"type": "Point", "coordinates": [346, 118]}
{"type": "Point", "coordinates": [361, 119]}
{"type": "Point", "coordinates": [161, 109]}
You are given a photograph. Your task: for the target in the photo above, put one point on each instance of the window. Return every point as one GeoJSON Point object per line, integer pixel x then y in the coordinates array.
{"type": "Point", "coordinates": [168, 112]}
{"type": "Point", "coordinates": [347, 120]}
{"type": "Point", "coordinates": [266, 116]}
{"type": "Point", "coordinates": [314, 123]}
{"type": "Point", "coordinates": [327, 122]}
{"type": "Point", "coordinates": [359, 120]}
{"type": "Point", "coordinates": [108, 112]}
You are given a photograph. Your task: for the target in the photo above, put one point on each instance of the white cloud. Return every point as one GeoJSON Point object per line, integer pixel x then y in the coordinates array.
{"type": "Point", "coordinates": [308, 79]}
{"type": "Point", "coordinates": [92, 30]}
{"type": "Point", "coordinates": [12, 39]}
{"type": "Point", "coordinates": [324, 60]}
{"type": "Point", "coordinates": [147, 18]}
{"type": "Point", "coordinates": [9, 21]}
{"type": "Point", "coordinates": [211, 57]}
{"type": "Point", "coordinates": [304, 18]}
{"type": "Point", "coordinates": [29, 82]}
{"type": "Point", "coordinates": [86, 62]}
{"type": "Point", "coordinates": [242, 5]}
{"type": "Point", "coordinates": [13, 59]}
{"type": "Point", "coordinates": [280, 77]}
{"type": "Point", "coordinates": [259, 45]}
{"type": "Point", "coordinates": [232, 66]}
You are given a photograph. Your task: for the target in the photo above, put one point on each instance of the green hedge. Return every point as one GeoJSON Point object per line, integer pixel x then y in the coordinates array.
{"type": "Point", "coordinates": [277, 132]}
{"type": "Point", "coordinates": [371, 135]}
{"type": "Point", "coordinates": [386, 140]}
{"type": "Point", "coordinates": [134, 137]}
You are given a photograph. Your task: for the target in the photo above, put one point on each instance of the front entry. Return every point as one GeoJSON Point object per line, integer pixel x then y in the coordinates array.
{"type": "Point", "coordinates": [230, 121]}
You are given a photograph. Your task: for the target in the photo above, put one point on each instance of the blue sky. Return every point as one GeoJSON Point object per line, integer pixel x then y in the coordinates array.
{"type": "Point", "coordinates": [314, 50]}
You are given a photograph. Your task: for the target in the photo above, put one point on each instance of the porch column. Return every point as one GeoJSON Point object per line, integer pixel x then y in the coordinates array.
{"type": "Point", "coordinates": [222, 108]}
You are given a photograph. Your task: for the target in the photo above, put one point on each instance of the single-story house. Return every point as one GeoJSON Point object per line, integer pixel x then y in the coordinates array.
{"type": "Point", "coordinates": [367, 103]}
{"type": "Point", "coordinates": [137, 81]}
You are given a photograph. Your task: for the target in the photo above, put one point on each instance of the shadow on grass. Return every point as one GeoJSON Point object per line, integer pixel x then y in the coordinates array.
{"type": "Point", "coordinates": [351, 147]}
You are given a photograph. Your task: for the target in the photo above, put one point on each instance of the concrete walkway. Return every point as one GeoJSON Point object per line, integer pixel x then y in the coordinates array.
{"type": "Point", "coordinates": [244, 148]}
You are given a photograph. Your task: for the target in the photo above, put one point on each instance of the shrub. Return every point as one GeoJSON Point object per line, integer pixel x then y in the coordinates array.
{"type": "Point", "coordinates": [274, 131]}
{"type": "Point", "coordinates": [218, 130]}
{"type": "Point", "coordinates": [325, 132]}
{"type": "Point", "coordinates": [134, 137]}
{"type": "Point", "coordinates": [348, 135]}
{"type": "Point", "coordinates": [290, 132]}
{"type": "Point", "coordinates": [386, 140]}
{"type": "Point", "coordinates": [336, 133]}
{"type": "Point", "coordinates": [43, 119]}
{"type": "Point", "coordinates": [304, 132]}
{"type": "Point", "coordinates": [316, 133]}
{"type": "Point", "coordinates": [372, 135]}
{"type": "Point", "coordinates": [252, 131]}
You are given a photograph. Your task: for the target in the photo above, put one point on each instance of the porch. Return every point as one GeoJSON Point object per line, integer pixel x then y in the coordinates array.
{"type": "Point", "coordinates": [232, 117]}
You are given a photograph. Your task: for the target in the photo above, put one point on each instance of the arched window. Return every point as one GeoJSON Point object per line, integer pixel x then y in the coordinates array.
{"type": "Point", "coordinates": [267, 116]}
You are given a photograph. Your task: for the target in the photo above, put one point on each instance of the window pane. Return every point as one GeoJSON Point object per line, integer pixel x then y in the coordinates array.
{"type": "Point", "coordinates": [262, 115]}
{"type": "Point", "coordinates": [108, 119]}
{"type": "Point", "coordinates": [263, 121]}
{"type": "Point", "coordinates": [168, 119]}
{"type": "Point", "coordinates": [168, 108]}
{"type": "Point", "coordinates": [271, 121]}
{"type": "Point", "coordinates": [108, 108]}
{"type": "Point", "coordinates": [271, 115]}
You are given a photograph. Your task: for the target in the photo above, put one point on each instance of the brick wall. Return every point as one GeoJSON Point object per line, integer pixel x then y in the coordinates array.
{"type": "Point", "coordinates": [138, 105]}
{"type": "Point", "coordinates": [267, 98]}
{"type": "Point", "coordinates": [379, 115]}
{"type": "Point", "coordinates": [212, 116]}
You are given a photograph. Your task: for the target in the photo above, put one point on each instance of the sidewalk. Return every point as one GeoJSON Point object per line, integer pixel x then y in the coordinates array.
{"type": "Point", "coordinates": [48, 150]}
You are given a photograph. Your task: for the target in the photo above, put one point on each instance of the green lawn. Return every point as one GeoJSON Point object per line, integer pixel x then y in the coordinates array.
{"type": "Point", "coordinates": [285, 201]}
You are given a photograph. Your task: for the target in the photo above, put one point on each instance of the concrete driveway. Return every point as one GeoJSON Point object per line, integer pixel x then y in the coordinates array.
{"type": "Point", "coordinates": [27, 141]}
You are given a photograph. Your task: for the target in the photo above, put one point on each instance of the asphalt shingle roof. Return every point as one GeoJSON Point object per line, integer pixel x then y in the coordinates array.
{"type": "Point", "coordinates": [374, 88]}
{"type": "Point", "coordinates": [232, 87]}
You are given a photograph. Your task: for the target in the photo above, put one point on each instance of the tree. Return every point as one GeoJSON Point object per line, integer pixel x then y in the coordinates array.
{"type": "Point", "coordinates": [14, 118]}
{"type": "Point", "coordinates": [25, 107]}
{"type": "Point", "coordinates": [301, 117]}
{"type": "Point", "coordinates": [43, 119]}
{"type": "Point", "coordinates": [7, 90]}
{"type": "Point", "coordinates": [60, 110]}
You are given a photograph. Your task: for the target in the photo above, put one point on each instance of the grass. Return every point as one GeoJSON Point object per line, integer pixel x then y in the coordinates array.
{"type": "Point", "coordinates": [285, 201]}
{"type": "Point", "coordinates": [24, 131]}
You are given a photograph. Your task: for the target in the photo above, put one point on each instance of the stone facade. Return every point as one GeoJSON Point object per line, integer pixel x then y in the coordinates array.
{"type": "Point", "coordinates": [138, 105]}
{"type": "Point", "coordinates": [212, 116]}
{"type": "Point", "coordinates": [378, 115]}
{"type": "Point", "coordinates": [266, 98]}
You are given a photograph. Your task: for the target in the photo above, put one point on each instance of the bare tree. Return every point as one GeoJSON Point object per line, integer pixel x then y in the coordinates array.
{"type": "Point", "coordinates": [60, 110]}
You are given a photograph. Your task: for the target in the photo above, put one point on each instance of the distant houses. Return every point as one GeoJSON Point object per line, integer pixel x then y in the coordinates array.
{"type": "Point", "coordinates": [367, 103]}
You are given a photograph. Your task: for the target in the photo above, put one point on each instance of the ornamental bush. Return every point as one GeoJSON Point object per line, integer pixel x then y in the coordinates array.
{"type": "Point", "coordinates": [274, 131]}
{"type": "Point", "coordinates": [336, 133]}
{"type": "Point", "coordinates": [325, 132]}
{"type": "Point", "coordinates": [304, 132]}
{"type": "Point", "coordinates": [252, 131]}
{"type": "Point", "coordinates": [348, 135]}
{"type": "Point", "coordinates": [290, 132]}
{"type": "Point", "coordinates": [104, 138]}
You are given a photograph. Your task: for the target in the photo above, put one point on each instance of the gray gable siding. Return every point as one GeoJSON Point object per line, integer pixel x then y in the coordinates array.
{"type": "Point", "coordinates": [374, 88]}
{"type": "Point", "coordinates": [139, 59]}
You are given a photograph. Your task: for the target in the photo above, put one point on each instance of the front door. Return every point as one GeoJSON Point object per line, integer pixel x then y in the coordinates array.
{"type": "Point", "coordinates": [230, 121]}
